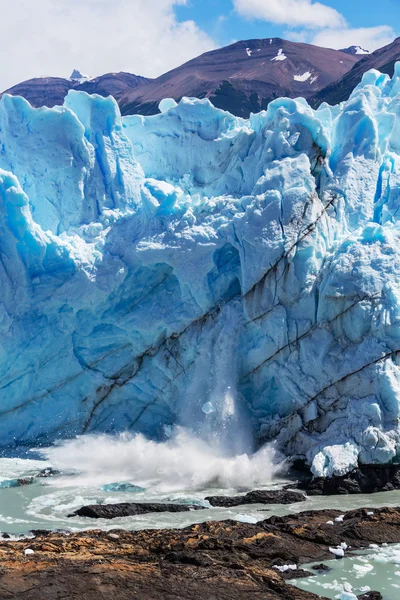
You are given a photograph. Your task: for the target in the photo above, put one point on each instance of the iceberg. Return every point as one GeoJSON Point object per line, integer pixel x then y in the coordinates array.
{"type": "Point", "coordinates": [194, 268]}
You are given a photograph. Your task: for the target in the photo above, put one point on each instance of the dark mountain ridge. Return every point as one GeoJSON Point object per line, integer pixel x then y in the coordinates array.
{"type": "Point", "coordinates": [244, 77]}
{"type": "Point", "coordinates": [382, 59]}
{"type": "Point", "coordinates": [51, 91]}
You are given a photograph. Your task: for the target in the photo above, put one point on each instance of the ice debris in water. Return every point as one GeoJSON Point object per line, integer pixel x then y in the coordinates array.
{"type": "Point", "coordinates": [339, 552]}
{"type": "Point", "coordinates": [122, 487]}
{"type": "Point", "coordinates": [149, 262]}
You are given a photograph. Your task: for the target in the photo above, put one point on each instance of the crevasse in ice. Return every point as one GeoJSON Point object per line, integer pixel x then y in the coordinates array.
{"type": "Point", "coordinates": [148, 265]}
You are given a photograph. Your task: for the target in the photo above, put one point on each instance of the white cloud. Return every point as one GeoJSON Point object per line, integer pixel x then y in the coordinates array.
{"type": "Point", "coordinates": [369, 38]}
{"type": "Point", "coordinates": [51, 37]}
{"type": "Point", "coordinates": [296, 13]}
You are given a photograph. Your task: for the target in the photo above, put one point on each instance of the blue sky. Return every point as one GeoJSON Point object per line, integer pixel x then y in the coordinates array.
{"type": "Point", "coordinates": [150, 37]}
{"type": "Point", "coordinates": [225, 24]}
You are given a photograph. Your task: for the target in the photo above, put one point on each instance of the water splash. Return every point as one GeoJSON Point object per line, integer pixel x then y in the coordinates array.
{"type": "Point", "coordinates": [181, 463]}
{"type": "Point", "coordinates": [211, 447]}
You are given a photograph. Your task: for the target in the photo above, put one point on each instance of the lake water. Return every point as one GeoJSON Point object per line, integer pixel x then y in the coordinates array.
{"type": "Point", "coordinates": [375, 569]}
{"type": "Point", "coordinates": [47, 503]}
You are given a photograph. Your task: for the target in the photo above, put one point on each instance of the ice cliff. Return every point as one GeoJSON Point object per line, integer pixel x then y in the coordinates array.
{"type": "Point", "coordinates": [181, 267]}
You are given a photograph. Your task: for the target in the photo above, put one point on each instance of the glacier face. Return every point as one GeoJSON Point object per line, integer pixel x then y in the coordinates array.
{"type": "Point", "coordinates": [160, 270]}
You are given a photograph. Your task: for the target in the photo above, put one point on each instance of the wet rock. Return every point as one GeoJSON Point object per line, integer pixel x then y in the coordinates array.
{"type": "Point", "coordinates": [48, 472]}
{"type": "Point", "coordinates": [321, 568]}
{"type": "Point", "coordinates": [213, 561]}
{"type": "Point", "coordinates": [129, 509]}
{"type": "Point", "coordinates": [371, 596]}
{"type": "Point", "coordinates": [296, 574]}
{"type": "Point", "coordinates": [366, 479]}
{"type": "Point", "coordinates": [258, 497]}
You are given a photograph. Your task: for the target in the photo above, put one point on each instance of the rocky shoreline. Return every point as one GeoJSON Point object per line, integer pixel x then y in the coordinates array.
{"type": "Point", "coordinates": [210, 561]}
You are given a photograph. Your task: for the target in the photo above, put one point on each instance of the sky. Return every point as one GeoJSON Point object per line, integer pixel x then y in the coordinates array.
{"type": "Point", "coordinates": [150, 37]}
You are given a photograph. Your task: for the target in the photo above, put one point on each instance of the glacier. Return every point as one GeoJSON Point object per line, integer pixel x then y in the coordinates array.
{"type": "Point", "coordinates": [194, 268]}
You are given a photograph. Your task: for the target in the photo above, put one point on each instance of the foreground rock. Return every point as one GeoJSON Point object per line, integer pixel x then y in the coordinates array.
{"type": "Point", "coordinates": [129, 509]}
{"type": "Point", "coordinates": [366, 479]}
{"type": "Point", "coordinates": [258, 497]}
{"type": "Point", "coordinates": [211, 561]}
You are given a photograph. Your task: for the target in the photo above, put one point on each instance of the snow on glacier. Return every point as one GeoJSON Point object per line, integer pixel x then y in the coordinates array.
{"type": "Point", "coordinates": [154, 266]}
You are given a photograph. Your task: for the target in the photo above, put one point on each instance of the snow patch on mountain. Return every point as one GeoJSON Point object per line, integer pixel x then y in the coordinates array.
{"type": "Point", "coordinates": [79, 77]}
{"type": "Point", "coordinates": [302, 77]}
{"type": "Point", "coordinates": [279, 56]}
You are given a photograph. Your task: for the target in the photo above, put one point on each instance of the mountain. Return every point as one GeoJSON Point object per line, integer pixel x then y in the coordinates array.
{"type": "Point", "coordinates": [383, 60]}
{"type": "Point", "coordinates": [237, 278]}
{"type": "Point", "coordinates": [244, 77]}
{"type": "Point", "coordinates": [51, 91]}
{"type": "Point", "coordinates": [354, 50]}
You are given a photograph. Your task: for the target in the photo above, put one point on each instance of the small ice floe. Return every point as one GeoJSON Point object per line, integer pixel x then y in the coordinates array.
{"type": "Point", "coordinates": [339, 552]}
{"type": "Point", "coordinates": [362, 570]}
{"type": "Point", "coordinates": [302, 78]}
{"type": "Point", "coordinates": [284, 568]}
{"type": "Point", "coordinates": [29, 551]}
{"type": "Point", "coordinates": [339, 519]}
{"type": "Point", "coordinates": [247, 519]}
{"type": "Point", "coordinates": [348, 596]}
{"type": "Point", "coordinates": [249, 52]}
{"type": "Point", "coordinates": [122, 487]}
{"type": "Point", "coordinates": [330, 523]}
{"type": "Point", "coordinates": [279, 56]}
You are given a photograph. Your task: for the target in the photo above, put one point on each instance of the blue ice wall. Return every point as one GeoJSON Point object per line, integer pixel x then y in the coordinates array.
{"type": "Point", "coordinates": [154, 269]}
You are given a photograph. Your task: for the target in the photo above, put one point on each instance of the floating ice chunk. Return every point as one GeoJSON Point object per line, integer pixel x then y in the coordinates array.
{"type": "Point", "coordinates": [339, 552]}
{"type": "Point", "coordinates": [362, 570]}
{"type": "Point", "coordinates": [343, 546]}
{"type": "Point", "coordinates": [284, 568]}
{"type": "Point", "coordinates": [348, 596]}
{"type": "Point", "coordinates": [122, 487]}
{"type": "Point", "coordinates": [247, 519]}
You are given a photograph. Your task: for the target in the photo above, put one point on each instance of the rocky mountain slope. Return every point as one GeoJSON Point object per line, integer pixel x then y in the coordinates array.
{"type": "Point", "coordinates": [245, 76]}
{"type": "Point", "coordinates": [383, 60]}
{"type": "Point", "coordinates": [51, 91]}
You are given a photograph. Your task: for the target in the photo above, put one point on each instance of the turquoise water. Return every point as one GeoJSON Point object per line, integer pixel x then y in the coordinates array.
{"type": "Point", "coordinates": [47, 503]}
{"type": "Point", "coordinates": [375, 569]}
